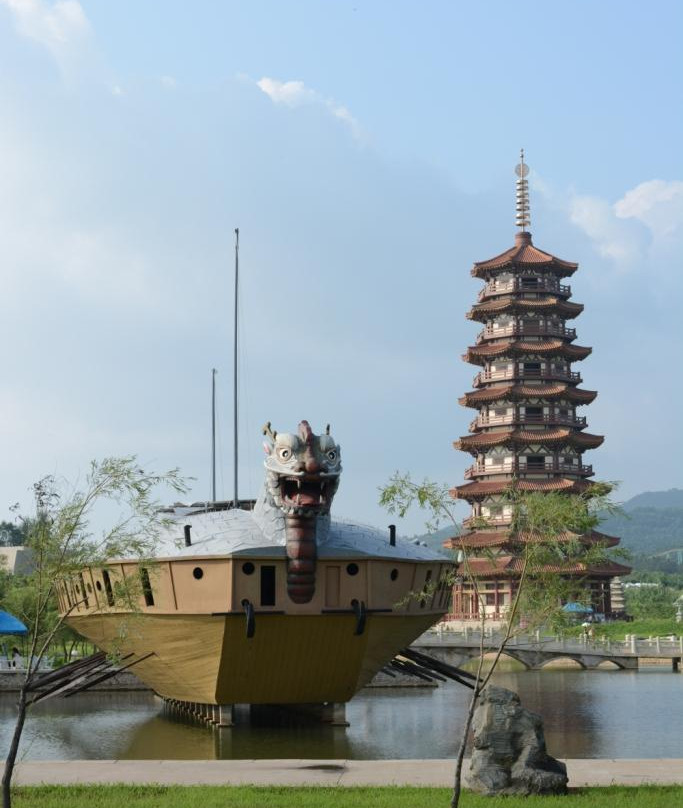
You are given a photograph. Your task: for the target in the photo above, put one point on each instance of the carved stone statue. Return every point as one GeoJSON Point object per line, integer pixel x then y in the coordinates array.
{"type": "Point", "coordinates": [509, 755]}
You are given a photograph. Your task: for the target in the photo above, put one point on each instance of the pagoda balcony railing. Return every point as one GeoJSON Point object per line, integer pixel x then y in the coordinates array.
{"type": "Point", "coordinates": [527, 330]}
{"type": "Point", "coordinates": [495, 519]}
{"type": "Point", "coordinates": [524, 418]}
{"type": "Point", "coordinates": [525, 373]}
{"type": "Point", "coordinates": [514, 467]}
{"type": "Point", "coordinates": [496, 287]}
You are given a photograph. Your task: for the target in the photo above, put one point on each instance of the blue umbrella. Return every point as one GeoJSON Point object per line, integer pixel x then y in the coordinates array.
{"type": "Point", "coordinates": [11, 625]}
{"type": "Point", "coordinates": [577, 608]}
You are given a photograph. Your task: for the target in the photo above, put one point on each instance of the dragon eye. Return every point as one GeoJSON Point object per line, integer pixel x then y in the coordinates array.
{"type": "Point", "coordinates": [331, 455]}
{"type": "Point", "coordinates": [284, 453]}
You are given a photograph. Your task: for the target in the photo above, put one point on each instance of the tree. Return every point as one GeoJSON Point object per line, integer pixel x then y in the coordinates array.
{"type": "Point", "coordinates": [63, 542]}
{"type": "Point", "coordinates": [651, 601]}
{"type": "Point", "coordinates": [546, 532]}
{"type": "Point", "coordinates": [11, 535]}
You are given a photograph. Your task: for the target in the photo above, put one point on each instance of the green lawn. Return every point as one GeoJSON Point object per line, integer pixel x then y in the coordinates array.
{"type": "Point", "coordinates": [291, 797]}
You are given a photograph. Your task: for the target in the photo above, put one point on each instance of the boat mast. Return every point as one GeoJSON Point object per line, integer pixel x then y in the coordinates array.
{"type": "Point", "coordinates": [213, 434]}
{"type": "Point", "coordinates": [237, 259]}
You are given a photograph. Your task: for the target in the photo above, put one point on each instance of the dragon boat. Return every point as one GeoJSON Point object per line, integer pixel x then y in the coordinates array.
{"type": "Point", "coordinates": [271, 602]}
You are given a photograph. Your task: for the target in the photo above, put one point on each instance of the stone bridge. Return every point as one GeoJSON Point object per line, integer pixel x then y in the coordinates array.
{"type": "Point", "coordinates": [534, 651]}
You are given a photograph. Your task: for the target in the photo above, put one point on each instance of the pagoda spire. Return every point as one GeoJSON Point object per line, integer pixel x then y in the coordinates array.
{"type": "Point", "coordinates": [523, 210]}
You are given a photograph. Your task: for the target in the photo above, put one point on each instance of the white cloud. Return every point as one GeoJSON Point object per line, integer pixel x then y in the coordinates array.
{"type": "Point", "coordinates": [611, 237]}
{"type": "Point", "coordinates": [658, 204]}
{"type": "Point", "coordinates": [61, 27]}
{"type": "Point", "coordinates": [295, 94]}
{"type": "Point", "coordinates": [169, 82]}
{"type": "Point", "coordinates": [289, 93]}
{"type": "Point", "coordinates": [643, 224]}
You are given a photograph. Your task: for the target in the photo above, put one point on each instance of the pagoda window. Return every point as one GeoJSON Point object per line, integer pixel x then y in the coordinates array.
{"type": "Point", "coordinates": [530, 283]}
{"type": "Point", "coordinates": [535, 463]}
{"type": "Point", "coordinates": [532, 367]}
{"type": "Point", "coordinates": [533, 413]}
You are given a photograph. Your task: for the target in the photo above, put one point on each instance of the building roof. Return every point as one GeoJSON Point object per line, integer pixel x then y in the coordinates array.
{"type": "Point", "coordinates": [518, 392]}
{"type": "Point", "coordinates": [498, 538]}
{"type": "Point", "coordinates": [523, 254]}
{"type": "Point", "coordinates": [512, 436]}
{"type": "Point", "coordinates": [479, 354]}
{"type": "Point", "coordinates": [516, 305]}
{"type": "Point", "coordinates": [479, 489]}
{"type": "Point", "coordinates": [511, 565]}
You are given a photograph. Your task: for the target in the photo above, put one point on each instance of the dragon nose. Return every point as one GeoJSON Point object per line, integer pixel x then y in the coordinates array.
{"type": "Point", "coordinates": [311, 465]}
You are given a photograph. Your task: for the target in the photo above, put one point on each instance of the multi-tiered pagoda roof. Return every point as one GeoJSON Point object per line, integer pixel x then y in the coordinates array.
{"type": "Point", "coordinates": [528, 431]}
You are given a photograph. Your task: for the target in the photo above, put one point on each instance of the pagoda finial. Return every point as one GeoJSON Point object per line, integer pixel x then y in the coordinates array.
{"type": "Point", "coordinates": [523, 214]}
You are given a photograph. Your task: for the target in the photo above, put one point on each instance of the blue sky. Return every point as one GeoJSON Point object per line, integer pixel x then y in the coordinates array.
{"type": "Point", "coordinates": [366, 152]}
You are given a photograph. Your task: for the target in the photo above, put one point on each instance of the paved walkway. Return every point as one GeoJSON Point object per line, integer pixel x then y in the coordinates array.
{"type": "Point", "coordinates": [321, 772]}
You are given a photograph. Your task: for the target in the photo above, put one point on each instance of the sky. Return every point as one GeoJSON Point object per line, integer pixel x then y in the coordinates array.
{"type": "Point", "coordinates": [366, 151]}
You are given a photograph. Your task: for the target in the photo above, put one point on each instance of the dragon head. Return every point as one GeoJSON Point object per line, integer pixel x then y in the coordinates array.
{"type": "Point", "coordinates": [302, 470]}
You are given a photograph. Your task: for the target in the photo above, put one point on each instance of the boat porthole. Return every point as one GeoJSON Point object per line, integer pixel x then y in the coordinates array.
{"type": "Point", "coordinates": [352, 569]}
{"type": "Point", "coordinates": [98, 585]}
{"type": "Point", "coordinates": [394, 574]}
{"type": "Point", "coordinates": [198, 573]}
{"type": "Point", "coordinates": [248, 568]}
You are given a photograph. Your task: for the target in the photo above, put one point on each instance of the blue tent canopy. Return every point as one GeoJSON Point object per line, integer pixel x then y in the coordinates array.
{"type": "Point", "coordinates": [10, 625]}
{"type": "Point", "coordinates": [577, 608]}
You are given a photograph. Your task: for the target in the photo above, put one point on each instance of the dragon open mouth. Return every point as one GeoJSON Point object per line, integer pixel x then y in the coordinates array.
{"type": "Point", "coordinates": [306, 493]}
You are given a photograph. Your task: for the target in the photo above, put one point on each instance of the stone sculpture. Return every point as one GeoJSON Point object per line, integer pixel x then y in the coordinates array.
{"type": "Point", "coordinates": [509, 755]}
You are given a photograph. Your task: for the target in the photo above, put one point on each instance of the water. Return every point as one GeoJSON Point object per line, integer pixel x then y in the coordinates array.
{"type": "Point", "coordinates": [596, 714]}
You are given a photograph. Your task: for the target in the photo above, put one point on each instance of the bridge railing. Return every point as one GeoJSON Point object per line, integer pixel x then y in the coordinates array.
{"type": "Point", "coordinates": [666, 647]}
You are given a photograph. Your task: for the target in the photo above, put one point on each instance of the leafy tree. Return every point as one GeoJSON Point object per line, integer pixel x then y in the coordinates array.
{"type": "Point", "coordinates": [545, 531]}
{"type": "Point", "coordinates": [651, 601]}
{"type": "Point", "coordinates": [11, 535]}
{"type": "Point", "coordinates": [63, 542]}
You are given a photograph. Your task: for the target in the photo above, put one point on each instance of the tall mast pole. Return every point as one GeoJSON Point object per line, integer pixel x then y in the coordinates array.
{"type": "Point", "coordinates": [237, 267]}
{"type": "Point", "coordinates": [213, 434]}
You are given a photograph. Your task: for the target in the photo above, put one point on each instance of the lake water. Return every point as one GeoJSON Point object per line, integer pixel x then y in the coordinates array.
{"type": "Point", "coordinates": [595, 714]}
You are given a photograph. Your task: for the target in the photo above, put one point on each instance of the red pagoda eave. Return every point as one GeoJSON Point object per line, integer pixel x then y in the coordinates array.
{"type": "Point", "coordinates": [479, 490]}
{"type": "Point", "coordinates": [554, 305]}
{"type": "Point", "coordinates": [510, 565]}
{"type": "Point", "coordinates": [470, 443]}
{"type": "Point", "coordinates": [500, 538]}
{"type": "Point", "coordinates": [479, 354]}
{"type": "Point", "coordinates": [519, 392]}
{"type": "Point", "coordinates": [524, 254]}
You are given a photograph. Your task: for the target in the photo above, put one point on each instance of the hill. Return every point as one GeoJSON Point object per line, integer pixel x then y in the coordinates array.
{"type": "Point", "coordinates": [673, 498]}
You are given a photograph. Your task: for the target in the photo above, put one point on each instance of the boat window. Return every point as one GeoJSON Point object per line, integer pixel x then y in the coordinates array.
{"type": "Point", "coordinates": [352, 569]}
{"type": "Point", "coordinates": [107, 587]}
{"type": "Point", "coordinates": [248, 568]}
{"type": "Point", "coordinates": [83, 590]}
{"type": "Point", "coordinates": [393, 574]}
{"type": "Point", "coordinates": [198, 573]}
{"type": "Point", "coordinates": [146, 587]}
{"type": "Point", "coordinates": [98, 586]}
{"type": "Point", "coordinates": [267, 585]}
{"type": "Point", "coordinates": [332, 586]}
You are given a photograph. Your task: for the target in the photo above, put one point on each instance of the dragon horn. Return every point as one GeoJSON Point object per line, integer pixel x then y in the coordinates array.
{"type": "Point", "coordinates": [268, 431]}
{"type": "Point", "coordinates": [327, 429]}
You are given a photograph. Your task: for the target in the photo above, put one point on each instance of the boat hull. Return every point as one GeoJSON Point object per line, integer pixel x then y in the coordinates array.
{"type": "Point", "coordinates": [290, 659]}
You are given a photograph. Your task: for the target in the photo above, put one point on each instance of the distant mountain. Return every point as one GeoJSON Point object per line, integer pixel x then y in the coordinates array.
{"type": "Point", "coordinates": [673, 498]}
{"type": "Point", "coordinates": [435, 540]}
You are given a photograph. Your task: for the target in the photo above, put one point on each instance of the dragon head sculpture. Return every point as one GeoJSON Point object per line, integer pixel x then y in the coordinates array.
{"type": "Point", "coordinates": [302, 470]}
{"type": "Point", "coordinates": [302, 477]}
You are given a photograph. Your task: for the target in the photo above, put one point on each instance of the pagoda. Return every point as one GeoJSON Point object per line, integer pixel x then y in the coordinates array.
{"type": "Point", "coordinates": [527, 429]}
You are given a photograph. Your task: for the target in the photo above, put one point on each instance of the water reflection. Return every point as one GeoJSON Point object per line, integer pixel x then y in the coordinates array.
{"type": "Point", "coordinates": [586, 714]}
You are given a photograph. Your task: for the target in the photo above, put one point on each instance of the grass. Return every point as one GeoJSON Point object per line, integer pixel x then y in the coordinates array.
{"type": "Point", "coordinates": [314, 797]}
